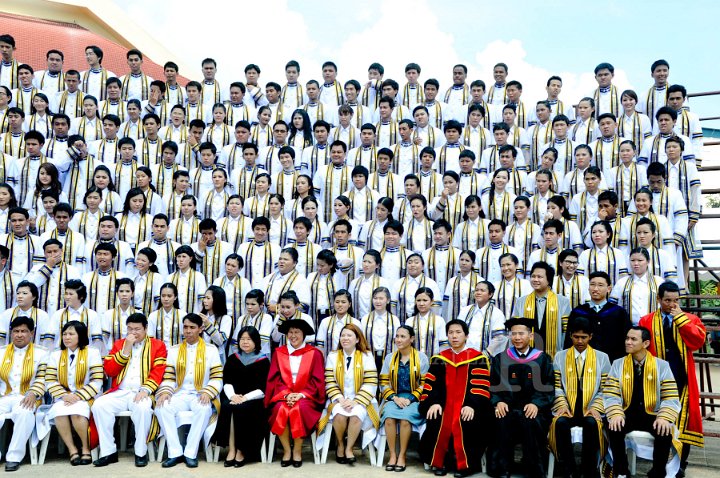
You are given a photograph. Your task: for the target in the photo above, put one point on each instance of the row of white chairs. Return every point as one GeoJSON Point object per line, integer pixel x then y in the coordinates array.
{"type": "Point", "coordinates": [637, 443]}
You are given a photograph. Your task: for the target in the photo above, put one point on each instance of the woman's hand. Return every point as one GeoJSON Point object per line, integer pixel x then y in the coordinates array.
{"type": "Point", "coordinates": [348, 404]}
{"type": "Point", "coordinates": [401, 402]}
{"type": "Point", "coordinates": [237, 399]}
{"type": "Point", "coordinates": [70, 398]}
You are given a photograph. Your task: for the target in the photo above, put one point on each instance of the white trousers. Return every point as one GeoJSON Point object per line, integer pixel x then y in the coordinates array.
{"type": "Point", "coordinates": [24, 420]}
{"type": "Point", "coordinates": [167, 416]}
{"type": "Point", "coordinates": [107, 406]}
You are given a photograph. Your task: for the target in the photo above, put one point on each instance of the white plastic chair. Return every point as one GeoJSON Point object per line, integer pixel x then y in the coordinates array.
{"type": "Point", "coordinates": [32, 449]}
{"type": "Point", "coordinates": [271, 448]}
{"type": "Point", "coordinates": [634, 442]}
{"type": "Point", "coordinates": [329, 433]}
{"type": "Point", "coordinates": [381, 443]}
{"type": "Point", "coordinates": [263, 452]}
{"type": "Point", "coordinates": [186, 418]}
{"type": "Point", "coordinates": [575, 437]}
{"type": "Point", "coordinates": [124, 419]}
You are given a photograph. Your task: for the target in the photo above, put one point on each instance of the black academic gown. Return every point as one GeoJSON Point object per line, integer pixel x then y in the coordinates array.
{"type": "Point", "coordinates": [610, 326]}
{"type": "Point", "coordinates": [250, 419]}
{"type": "Point", "coordinates": [518, 382]}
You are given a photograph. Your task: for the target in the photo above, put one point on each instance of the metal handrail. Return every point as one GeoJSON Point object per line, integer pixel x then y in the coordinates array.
{"type": "Point", "coordinates": [703, 93]}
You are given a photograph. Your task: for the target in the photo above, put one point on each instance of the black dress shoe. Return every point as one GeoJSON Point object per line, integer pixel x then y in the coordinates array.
{"type": "Point", "coordinates": [12, 466]}
{"type": "Point", "coordinates": [229, 463]}
{"type": "Point", "coordinates": [296, 463]}
{"type": "Point", "coordinates": [170, 462]}
{"type": "Point", "coordinates": [463, 473]}
{"type": "Point", "coordinates": [440, 472]}
{"type": "Point", "coordinates": [340, 459]}
{"type": "Point", "coordinates": [239, 464]}
{"type": "Point", "coordinates": [285, 463]}
{"type": "Point", "coordinates": [192, 462]}
{"type": "Point", "coordinates": [400, 468]}
{"type": "Point", "coordinates": [141, 460]}
{"type": "Point", "coordinates": [106, 460]}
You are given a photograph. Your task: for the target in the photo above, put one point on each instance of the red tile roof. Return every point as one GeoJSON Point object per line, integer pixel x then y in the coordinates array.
{"type": "Point", "coordinates": [35, 36]}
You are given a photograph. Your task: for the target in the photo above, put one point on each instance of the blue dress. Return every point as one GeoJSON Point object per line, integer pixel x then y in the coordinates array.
{"type": "Point", "coordinates": [409, 413]}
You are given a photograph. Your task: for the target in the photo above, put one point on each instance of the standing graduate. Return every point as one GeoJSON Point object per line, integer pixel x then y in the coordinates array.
{"type": "Point", "coordinates": [675, 335]}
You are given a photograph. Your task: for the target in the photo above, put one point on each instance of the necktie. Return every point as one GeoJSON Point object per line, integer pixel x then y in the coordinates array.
{"type": "Point", "coordinates": [348, 362]}
{"type": "Point", "coordinates": [667, 321]}
{"type": "Point", "coordinates": [72, 357]}
{"type": "Point", "coordinates": [597, 307]}
{"type": "Point", "coordinates": [580, 363]}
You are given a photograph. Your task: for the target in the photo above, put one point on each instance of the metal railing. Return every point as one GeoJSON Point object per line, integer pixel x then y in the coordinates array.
{"type": "Point", "coordinates": [710, 314]}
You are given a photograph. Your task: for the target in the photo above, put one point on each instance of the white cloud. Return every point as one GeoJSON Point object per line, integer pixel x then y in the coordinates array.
{"type": "Point", "coordinates": [395, 33]}
{"type": "Point", "coordinates": [269, 34]}
{"type": "Point", "coordinates": [402, 33]}
{"type": "Point", "coordinates": [534, 77]}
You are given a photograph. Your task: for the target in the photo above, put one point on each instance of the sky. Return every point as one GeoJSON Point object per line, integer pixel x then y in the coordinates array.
{"type": "Point", "coordinates": [536, 39]}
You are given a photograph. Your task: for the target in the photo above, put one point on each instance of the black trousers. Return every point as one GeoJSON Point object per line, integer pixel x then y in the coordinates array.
{"type": "Point", "coordinates": [590, 444]}
{"type": "Point", "coordinates": [531, 433]}
{"type": "Point", "coordinates": [639, 421]}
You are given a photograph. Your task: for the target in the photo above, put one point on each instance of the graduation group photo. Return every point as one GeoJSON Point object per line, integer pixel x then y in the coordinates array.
{"type": "Point", "coordinates": [432, 274]}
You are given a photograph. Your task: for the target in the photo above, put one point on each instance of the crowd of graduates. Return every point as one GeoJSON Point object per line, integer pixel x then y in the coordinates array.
{"type": "Point", "coordinates": [355, 259]}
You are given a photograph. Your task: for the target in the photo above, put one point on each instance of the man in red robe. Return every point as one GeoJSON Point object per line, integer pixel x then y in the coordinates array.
{"type": "Point", "coordinates": [456, 402]}
{"type": "Point", "coordinates": [675, 336]}
{"type": "Point", "coordinates": [295, 393]}
{"type": "Point", "coordinates": [136, 365]}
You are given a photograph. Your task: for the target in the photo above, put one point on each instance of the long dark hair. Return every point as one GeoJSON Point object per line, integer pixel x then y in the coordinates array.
{"type": "Point", "coordinates": [219, 307]}
{"type": "Point", "coordinates": [131, 194]}
{"type": "Point", "coordinates": [306, 129]}
{"type": "Point", "coordinates": [55, 184]}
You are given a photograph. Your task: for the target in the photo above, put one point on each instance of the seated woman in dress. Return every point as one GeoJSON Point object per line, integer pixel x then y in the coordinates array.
{"type": "Point", "coordinates": [295, 392]}
{"type": "Point", "coordinates": [401, 384]}
{"type": "Point", "coordinates": [71, 398]}
{"type": "Point", "coordinates": [351, 384]}
{"type": "Point", "coordinates": [242, 423]}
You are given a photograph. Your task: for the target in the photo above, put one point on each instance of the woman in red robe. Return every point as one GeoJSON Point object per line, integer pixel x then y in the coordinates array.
{"type": "Point", "coordinates": [295, 391]}
{"type": "Point", "coordinates": [675, 336]}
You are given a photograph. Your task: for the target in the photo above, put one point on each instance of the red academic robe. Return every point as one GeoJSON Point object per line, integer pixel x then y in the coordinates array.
{"type": "Point", "coordinates": [152, 369]}
{"type": "Point", "coordinates": [310, 381]}
{"type": "Point", "coordinates": [454, 381]}
{"type": "Point", "coordinates": [689, 333]}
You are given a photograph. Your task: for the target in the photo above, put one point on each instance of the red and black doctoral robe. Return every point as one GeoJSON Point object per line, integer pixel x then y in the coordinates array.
{"type": "Point", "coordinates": [310, 381]}
{"type": "Point", "coordinates": [454, 381]}
{"type": "Point", "coordinates": [688, 335]}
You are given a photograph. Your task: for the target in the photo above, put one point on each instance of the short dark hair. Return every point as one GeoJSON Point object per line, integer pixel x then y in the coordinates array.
{"type": "Point", "coordinates": [20, 321]}
{"type": "Point", "coordinates": [78, 286]}
{"type": "Point", "coordinates": [194, 318]}
{"type": "Point", "coordinates": [549, 271]}
{"type": "Point", "coordinates": [644, 332]}
{"type": "Point", "coordinates": [668, 286]}
{"type": "Point", "coordinates": [252, 332]}
{"type": "Point", "coordinates": [602, 275]}
{"type": "Point", "coordinates": [463, 325]}
{"type": "Point", "coordinates": [580, 324]}
{"type": "Point", "coordinates": [137, 318]}
{"type": "Point", "coordinates": [81, 330]}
